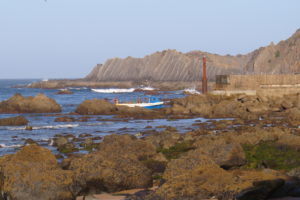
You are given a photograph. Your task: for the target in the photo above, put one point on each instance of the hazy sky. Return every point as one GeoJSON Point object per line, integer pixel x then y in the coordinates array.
{"type": "Point", "coordinates": [67, 38]}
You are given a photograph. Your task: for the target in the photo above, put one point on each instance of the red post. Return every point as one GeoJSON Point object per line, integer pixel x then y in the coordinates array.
{"type": "Point", "coordinates": [204, 77]}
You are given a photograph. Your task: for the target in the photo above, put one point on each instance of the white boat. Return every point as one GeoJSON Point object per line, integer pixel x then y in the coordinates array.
{"type": "Point", "coordinates": [114, 90]}
{"type": "Point", "coordinates": [152, 104]}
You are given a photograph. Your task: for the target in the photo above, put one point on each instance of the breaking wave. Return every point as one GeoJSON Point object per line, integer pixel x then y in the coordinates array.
{"type": "Point", "coordinates": [122, 90]}
{"type": "Point", "coordinates": [10, 146]}
{"type": "Point", "coordinates": [191, 91]}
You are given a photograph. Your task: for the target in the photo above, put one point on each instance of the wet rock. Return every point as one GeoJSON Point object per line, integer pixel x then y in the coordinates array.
{"type": "Point", "coordinates": [65, 119]}
{"type": "Point", "coordinates": [290, 188]}
{"type": "Point", "coordinates": [28, 128]}
{"type": "Point", "coordinates": [82, 135]}
{"type": "Point", "coordinates": [65, 91]}
{"type": "Point", "coordinates": [67, 148]}
{"type": "Point", "coordinates": [14, 121]}
{"type": "Point", "coordinates": [33, 173]}
{"type": "Point", "coordinates": [89, 144]}
{"type": "Point", "coordinates": [38, 104]}
{"type": "Point", "coordinates": [29, 141]}
{"type": "Point", "coordinates": [60, 141]}
{"type": "Point", "coordinates": [165, 139]}
{"type": "Point", "coordinates": [261, 190]}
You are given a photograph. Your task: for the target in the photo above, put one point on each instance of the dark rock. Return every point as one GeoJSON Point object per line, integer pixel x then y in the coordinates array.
{"type": "Point", "coordinates": [290, 188]}
{"type": "Point", "coordinates": [65, 91]}
{"type": "Point", "coordinates": [29, 141]}
{"type": "Point", "coordinates": [65, 119]}
{"type": "Point", "coordinates": [82, 135]}
{"type": "Point", "coordinates": [261, 190]}
{"type": "Point", "coordinates": [67, 148]}
{"type": "Point", "coordinates": [60, 141]}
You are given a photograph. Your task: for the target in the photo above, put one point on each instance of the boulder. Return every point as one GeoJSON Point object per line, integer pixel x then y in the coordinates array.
{"type": "Point", "coordinates": [224, 153]}
{"type": "Point", "coordinates": [14, 121]}
{"type": "Point", "coordinates": [127, 145]}
{"type": "Point", "coordinates": [100, 171]}
{"type": "Point", "coordinates": [196, 176]}
{"type": "Point", "coordinates": [103, 107]}
{"type": "Point", "coordinates": [33, 173]}
{"type": "Point", "coordinates": [65, 119]}
{"type": "Point", "coordinates": [38, 104]}
{"type": "Point", "coordinates": [118, 164]}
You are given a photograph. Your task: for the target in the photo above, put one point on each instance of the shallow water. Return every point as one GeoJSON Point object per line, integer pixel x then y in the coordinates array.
{"type": "Point", "coordinates": [45, 128]}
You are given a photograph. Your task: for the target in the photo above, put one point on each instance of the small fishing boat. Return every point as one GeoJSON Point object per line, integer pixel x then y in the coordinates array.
{"type": "Point", "coordinates": [153, 103]}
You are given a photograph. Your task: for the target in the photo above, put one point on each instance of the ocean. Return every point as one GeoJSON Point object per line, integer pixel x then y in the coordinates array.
{"type": "Point", "coordinates": [45, 128]}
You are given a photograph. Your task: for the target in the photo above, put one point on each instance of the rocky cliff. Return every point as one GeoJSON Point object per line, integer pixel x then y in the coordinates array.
{"type": "Point", "coordinates": [171, 65]}
{"type": "Point", "coordinates": [168, 65]}
{"type": "Point", "coordinates": [276, 59]}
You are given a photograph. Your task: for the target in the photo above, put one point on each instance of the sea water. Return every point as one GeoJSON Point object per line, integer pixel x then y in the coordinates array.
{"type": "Point", "coordinates": [45, 127]}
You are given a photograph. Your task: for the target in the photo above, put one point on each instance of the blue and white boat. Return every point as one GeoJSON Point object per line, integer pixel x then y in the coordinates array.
{"type": "Point", "coordinates": [153, 103]}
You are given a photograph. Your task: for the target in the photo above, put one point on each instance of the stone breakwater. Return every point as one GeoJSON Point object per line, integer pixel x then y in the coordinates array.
{"type": "Point", "coordinates": [253, 153]}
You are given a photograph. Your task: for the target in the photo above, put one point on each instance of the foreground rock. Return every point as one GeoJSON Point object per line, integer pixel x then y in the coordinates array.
{"type": "Point", "coordinates": [237, 106]}
{"type": "Point", "coordinates": [38, 104]}
{"type": "Point", "coordinates": [33, 173]}
{"type": "Point", "coordinates": [14, 121]}
{"type": "Point", "coordinates": [117, 165]}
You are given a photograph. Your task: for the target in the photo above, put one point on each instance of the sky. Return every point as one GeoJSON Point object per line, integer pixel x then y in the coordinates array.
{"type": "Point", "coordinates": [67, 38]}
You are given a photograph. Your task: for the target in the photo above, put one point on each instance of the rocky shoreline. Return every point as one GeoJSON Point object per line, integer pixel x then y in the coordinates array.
{"type": "Point", "coordinates": [161, 85]}
{"type": "Point", "coordinates": [251, 153]}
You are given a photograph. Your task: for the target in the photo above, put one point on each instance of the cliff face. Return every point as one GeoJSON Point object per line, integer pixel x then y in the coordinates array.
{"type": "Point", "coordinates": [276, 59]}
{"type": "Point", "coordinates": [170, 65]}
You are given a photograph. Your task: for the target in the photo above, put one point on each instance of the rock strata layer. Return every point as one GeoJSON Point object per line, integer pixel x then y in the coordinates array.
{"type": "Point", "coordinates": [170, 65]}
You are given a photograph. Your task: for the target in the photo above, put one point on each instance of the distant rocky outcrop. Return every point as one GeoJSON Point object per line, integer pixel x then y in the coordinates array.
{"type": "Point", "coordinates": [171, 65]}
{"type": "Point", "coordinates": [168, 65]}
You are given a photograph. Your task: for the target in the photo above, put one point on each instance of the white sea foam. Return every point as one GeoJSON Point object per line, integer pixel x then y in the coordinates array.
{"type": "Point", "coordinates": [191, 91]}
{"type": "Point", "coordinates": [147, 88]}
{"type": "Point", "coordinates": [10, 146]}
{"type": "Point", "coordinates": [76, 88]}
{"type": "Point", "coordinates": [114, 90]}
{"type": "Point", "coordinates": [45, 127]}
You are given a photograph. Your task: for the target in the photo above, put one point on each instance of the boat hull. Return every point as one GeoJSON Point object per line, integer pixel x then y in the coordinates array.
{"type": "Point", "coordinates": [143, 105]}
